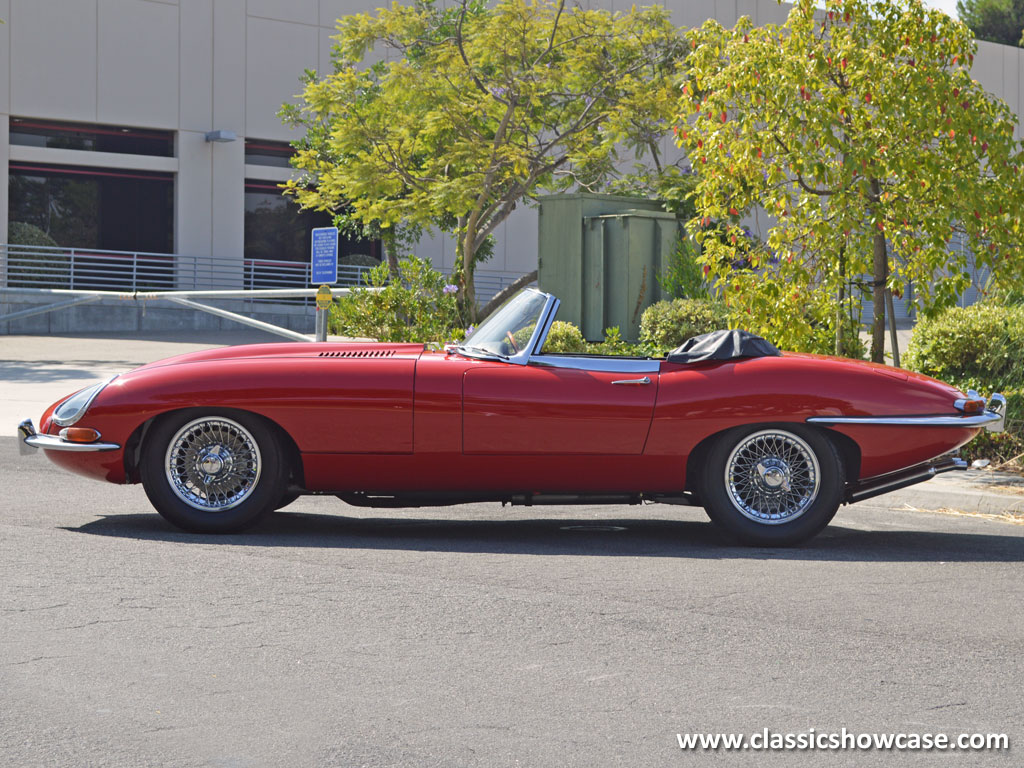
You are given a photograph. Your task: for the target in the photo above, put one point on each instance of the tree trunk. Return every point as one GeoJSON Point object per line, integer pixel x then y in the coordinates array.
{"type": "Point", "coordinates": [391, 256]}
{"type": "Point", "coordinates": [505, 293]}
{"type": "Point", "coordinates": [468, 274]}
{"type": "Point", "coordinates": [880, 275]}
{"type": "Point", "coordinates": [840, 315]}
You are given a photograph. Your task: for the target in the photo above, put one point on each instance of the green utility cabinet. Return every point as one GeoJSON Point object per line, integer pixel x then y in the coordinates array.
{"type": "Point", "coordinates": [602, 256]}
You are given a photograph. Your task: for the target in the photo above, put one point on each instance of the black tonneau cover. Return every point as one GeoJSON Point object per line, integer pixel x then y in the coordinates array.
{"type": "Point", "coordinates": [722, 345]}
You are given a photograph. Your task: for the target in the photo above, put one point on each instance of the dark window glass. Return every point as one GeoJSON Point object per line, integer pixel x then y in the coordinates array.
{"type": "Point", "coordinates": [94, 208]}
{"type": "Point", "coordinates": [91, 138]}
{"type": "Point", "coordinates": [277, 230]}
{"type": "Point", "coordinates": [274, 153]}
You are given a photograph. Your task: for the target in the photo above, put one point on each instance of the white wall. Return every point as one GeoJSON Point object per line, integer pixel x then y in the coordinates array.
{"type": "Point", "coordinates": [193, 66]}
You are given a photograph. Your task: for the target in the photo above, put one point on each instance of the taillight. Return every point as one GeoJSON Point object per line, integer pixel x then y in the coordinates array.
{"type": "Point", "coordinates": [971, 406]}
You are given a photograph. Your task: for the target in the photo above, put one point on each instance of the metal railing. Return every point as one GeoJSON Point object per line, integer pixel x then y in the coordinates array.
{"type": "Point", "coordinates": [31, 266]}
{"type": "Point", "coordinates": [25, 266]}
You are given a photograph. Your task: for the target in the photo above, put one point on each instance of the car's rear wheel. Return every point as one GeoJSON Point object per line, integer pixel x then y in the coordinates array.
{"type": "Point", "coordinates": [213, 472]}
{"type": "Point", "coordinates": [772, 486]}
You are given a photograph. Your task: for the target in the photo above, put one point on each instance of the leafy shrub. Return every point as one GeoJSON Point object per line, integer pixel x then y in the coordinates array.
{"type": "Point", "coordinates": [35, 267]}
{"type": "Point", "coordinates": [614, 344]}
{"type": "Point", "coordinates": [667, 324]}
{"type": "Point", "coordinates": [358, 260]}
{"type": "Point", "coordinates": [1000, 447]}
{"type": "Point", "coordinates": [419, 307]}
{"type": "Point", "coordinates": [683, 277]}
{"type": "Point", "coordinates": [22, 233]}
{"type": "Point", "coordinates": [822, 341]}
{"type": "Point", "coordinates": [978, 347]}
{"type": "Point", "coordinates": [564, 338]}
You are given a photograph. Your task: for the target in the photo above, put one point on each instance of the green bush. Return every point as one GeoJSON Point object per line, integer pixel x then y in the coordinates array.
{"type": "Point", "coordinates": [683, 277]}
{"type": "Point", "coordinates": [421, 307]}
{"type": "Point", "coordinates": [22, 233]}
{"type": "Point", "coordinates": [564, 338]}
{"type": "Point", "coordinates": [358, 260]}
{"type": "Point", "coordinates": [823, 342]}
{"type": "Point", "coordinates": [614, 344]}
{"type": "Point", "coordinates": [978, 347]}
{"type": "Point", "coordinates": [667, 324]}
{"type": "Point", "coordinates": [1000, 447]}
{"type": "Point", "coordinates": [36, 268]}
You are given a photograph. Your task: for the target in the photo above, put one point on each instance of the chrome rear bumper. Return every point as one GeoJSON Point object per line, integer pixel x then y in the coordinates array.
{"type": "Point", "coordinates": [993, 418]}
{"type": "Point", "coordinates": [29, 440]}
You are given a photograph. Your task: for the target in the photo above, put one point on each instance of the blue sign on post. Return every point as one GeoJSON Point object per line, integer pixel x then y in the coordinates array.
{"type": "Point", "coordinates": [324, 256]}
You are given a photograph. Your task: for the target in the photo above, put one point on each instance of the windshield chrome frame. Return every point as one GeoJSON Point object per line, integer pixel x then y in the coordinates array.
{"type": "Point", "coordinates": [540, 334]}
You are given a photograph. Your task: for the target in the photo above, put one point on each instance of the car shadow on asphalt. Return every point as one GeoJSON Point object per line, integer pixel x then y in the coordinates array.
{"type": "Point", "coordinates": [571, 537]}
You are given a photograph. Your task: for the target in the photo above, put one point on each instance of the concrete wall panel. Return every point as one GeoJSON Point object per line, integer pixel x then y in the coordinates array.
{"type": "Point", "coordinates": [53, 59]}
{"type": "Point", "coordinates": [298, 11]}
{"type": "Point", "coordinates": [332, 10]}
{"type": "Point", "coordinates": [988, 68]}
{"type": "Point", "coordinates": [229, 66]}
{"type": "Point", "coordinates": [277, 54]}
{"type": "Point", "coordinates": [227, 233]}
{"type": "Point", "coordinates": [196, 65]}
{"type": "Point", "coordinates": [194, 195]}
{"type": "Point", "coordinates": [1011, 80]}
{"type": "Point", "coordinates": [4, 201]}
{"type": "Point", "coordinates": [520, 243]}
{"type": "Point", "coordinates": [5, 58]}
{"type": "Point", "coordinates": [138, 63]}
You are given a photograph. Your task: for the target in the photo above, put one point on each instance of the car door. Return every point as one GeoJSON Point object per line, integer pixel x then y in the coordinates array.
{"type": "Point", "coordinates": [542, 409]}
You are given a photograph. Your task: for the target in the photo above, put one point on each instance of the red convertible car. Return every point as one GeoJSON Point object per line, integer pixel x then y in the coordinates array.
{"type": "Point", "coordinates": [770, 444]}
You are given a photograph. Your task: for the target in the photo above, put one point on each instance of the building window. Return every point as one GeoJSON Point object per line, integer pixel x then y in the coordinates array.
{"type": "Point", "coordinates": [277, 230]}
{"type": "Point", "coordinates": [91, 138]}
{"type": "Point", "coordinates": [105, 209]}
{"type": "Point", "coordinates": [277, 154]}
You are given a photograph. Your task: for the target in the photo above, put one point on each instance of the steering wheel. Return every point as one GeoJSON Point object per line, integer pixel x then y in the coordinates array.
{"type": "Point", "coordinates": [512, 341]}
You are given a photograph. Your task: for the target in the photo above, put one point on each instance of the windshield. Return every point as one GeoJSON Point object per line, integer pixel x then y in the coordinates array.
{"type": "Point", "coordinates": [508, 331]}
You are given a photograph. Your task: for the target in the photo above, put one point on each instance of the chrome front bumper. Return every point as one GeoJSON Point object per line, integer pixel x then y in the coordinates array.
{"type": "Point", "coordinates": [29, 440]}
{"type": "Point", "coordinates": [993, 418]}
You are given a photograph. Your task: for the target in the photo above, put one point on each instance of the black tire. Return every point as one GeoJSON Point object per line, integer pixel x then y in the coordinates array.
{"type": "Point", "coordinates": [287, 499]}
{"type": "Point", "coordinates": [213, 471]}
{"type": "Point", "coordinates": [773, 485]}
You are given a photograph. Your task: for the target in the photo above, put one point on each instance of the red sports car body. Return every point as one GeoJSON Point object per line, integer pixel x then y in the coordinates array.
{"type": "Point", "coordinates": [769, 445]}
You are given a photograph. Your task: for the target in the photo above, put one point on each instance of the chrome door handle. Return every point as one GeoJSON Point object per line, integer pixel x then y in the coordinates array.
{"type": "Point", "coordinates": [633, 382]}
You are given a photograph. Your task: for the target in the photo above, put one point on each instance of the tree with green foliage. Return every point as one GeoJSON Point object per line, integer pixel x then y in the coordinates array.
{"type": "Point", "coordinates": [997, 21]}
{"type": "Point", "coordinates": [474, 109]}
{"type": "Point", "coordinates": [857, 126]}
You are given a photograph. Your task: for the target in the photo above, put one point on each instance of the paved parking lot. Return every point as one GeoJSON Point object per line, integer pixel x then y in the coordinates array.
{"type": "Point", "coordinates": [482, 636]}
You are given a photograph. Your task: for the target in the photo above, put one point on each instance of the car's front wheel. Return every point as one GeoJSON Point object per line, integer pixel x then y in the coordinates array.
{"type": "Point", "coordinates": [213, 472]}
{"type": "Point", "coordinates": [772, 486]}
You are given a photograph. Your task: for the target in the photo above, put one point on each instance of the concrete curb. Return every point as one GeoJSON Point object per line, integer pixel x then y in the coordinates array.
{"type": "Point", "coordinates": [974, 491]}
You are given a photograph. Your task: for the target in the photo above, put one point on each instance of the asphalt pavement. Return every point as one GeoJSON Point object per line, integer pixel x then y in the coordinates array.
{"type": "Point", "coordinates": [480, 635]}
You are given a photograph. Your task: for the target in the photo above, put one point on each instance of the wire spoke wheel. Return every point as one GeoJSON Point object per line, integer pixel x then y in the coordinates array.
{"type": "Point", "coordinates": [213, 464]}
{"type": "Point", "coordinates": [772, 477]}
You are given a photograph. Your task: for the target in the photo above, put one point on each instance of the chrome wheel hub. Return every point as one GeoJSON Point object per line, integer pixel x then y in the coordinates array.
{"type": "Point", "coordinates": [213, 464]}
{"type": "Point", "coordinates": [772, 476]}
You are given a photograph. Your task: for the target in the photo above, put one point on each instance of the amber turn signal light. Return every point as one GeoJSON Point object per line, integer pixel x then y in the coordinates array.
{"type": "Point", "coordinates": [974, 406]}
{"type": "Point", "coordinates": [79, 435]}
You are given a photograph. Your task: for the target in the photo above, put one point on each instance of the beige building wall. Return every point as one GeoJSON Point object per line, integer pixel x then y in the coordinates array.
{"type": "Point", "coordinates": [193, 66]}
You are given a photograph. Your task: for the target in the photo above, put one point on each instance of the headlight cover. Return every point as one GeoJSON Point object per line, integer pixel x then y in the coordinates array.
{"type": "Point", "coordinates": [72, 409]}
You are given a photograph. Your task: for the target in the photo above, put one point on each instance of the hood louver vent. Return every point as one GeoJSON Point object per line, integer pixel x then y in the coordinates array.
{"type": "Point", "coordinates": [360, 353]}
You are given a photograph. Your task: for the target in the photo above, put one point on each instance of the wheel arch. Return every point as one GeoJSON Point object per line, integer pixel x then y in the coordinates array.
{"type": "Point", "coordinates": [136, 440]}
{"type": "Point", "coordinates": [847, 448]}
